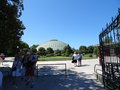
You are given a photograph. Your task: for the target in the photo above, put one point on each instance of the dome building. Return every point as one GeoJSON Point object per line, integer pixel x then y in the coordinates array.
{"type": "Point", "coordinates": [54, 44]}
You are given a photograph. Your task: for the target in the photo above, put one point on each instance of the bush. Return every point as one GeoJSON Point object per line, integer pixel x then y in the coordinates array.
{"type": "Point", "coordinates": [49, 55]}
{"type": "Point", "coordinates": [90, 55]}
{"type": "Point", "coordinates": [38, 56]}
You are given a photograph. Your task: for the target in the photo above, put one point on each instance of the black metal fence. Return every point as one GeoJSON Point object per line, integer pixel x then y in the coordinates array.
{"type": "Point", "coordinates": [110, 54]}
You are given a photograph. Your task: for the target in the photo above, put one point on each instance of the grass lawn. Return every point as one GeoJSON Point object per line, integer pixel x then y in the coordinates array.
{"type": "Point", "coordinates": [61, 58]}
{"type": "Point", "coordinates": [88, 57]}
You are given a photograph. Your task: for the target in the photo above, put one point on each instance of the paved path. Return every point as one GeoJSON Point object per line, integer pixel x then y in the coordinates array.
{"type": "Point", "coordinates": [78, 78]}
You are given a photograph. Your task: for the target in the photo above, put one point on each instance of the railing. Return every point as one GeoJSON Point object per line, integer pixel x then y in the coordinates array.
{"type": "Point", "coordinates": [98, 72]}
{"type": "Point", "coordinates": [95, 70]}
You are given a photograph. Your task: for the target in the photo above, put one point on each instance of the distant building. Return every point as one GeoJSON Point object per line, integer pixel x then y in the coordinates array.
{"type": "Point", "coordinates": [54, 44]}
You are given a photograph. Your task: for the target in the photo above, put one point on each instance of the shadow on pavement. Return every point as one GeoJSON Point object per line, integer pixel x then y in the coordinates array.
{"type": "Point", "coordinates": [49, 81]}
{"type": "Point", "coordinates": [84, 65]}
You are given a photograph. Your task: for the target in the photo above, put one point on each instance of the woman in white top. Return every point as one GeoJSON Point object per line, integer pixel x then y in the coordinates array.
{"type": "Point", "coordinates": [74, 58]}
{"type": "Point", "coordinates": [16, 69]}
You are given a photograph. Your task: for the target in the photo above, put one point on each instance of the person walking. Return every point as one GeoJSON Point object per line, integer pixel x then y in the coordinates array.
{"type": "Point", "coordinates": [30, 69]}
{"type": "Point", "coordinates": [16, 69]}
{"type": "Point", "coordinates": [27, 65]}
{"type": "Point", "coordinates": [74, 59]}
{"type": "Point", "coordinates": [33, 59]}
{"type": "Point", "coordinates": [79, 58]}
{"type": "Point", "coordinates": [24, 61]}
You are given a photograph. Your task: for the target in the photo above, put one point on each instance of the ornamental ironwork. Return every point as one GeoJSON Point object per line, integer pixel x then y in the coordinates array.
{"type": "Point", "coordinates": [109, 49]}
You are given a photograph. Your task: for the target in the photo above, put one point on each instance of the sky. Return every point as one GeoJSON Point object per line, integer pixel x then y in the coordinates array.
{"type": "Point", "coordinates": [75, 22]}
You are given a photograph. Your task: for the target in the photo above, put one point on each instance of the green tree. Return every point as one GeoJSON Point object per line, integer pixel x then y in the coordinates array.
{"type": "Point", "coordinates": [41, 51]}
{"type": "Point", "coordinates": [23, 46]}
{"type": "Point", "coordinates": [58, 52]}
{"type": "Point", "coordinates": [33, 48]}
{"type": "Point", "coordinates": [11, 27]}
{"type": "Point", "coordinates": [107, 39]}
{"type": "Point", "coordinates": [67, 51]}
{"type": "Point", "coordinates": [50, 51]}
{"type": "Point", "coordinates": [73, 49]}
{"type": "Point", "coordinates": [90, 49]}
{"type": "Point", "coordinates": [95, 51]}
{"type": "Point", "coordinates": [83, 49]}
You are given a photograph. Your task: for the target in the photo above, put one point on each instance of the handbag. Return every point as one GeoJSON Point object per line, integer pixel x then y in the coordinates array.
{"type": "Point", "coordinates": [72, 61]}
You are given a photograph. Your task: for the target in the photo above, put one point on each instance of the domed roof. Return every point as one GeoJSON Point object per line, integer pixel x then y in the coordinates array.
{"type": "Point", "coordinates": [54, 44]}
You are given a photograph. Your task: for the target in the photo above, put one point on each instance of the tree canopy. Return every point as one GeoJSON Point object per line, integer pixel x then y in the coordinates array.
{"type": "Point", "coordinates": [58, 52]}
{"type": "Point", "coordinates": [23, 46]}
{"type": "Point", "coordinates": [33, 48]}
{"type": "Point", "coordinates": [90, 49]}
{"type": "Point", "coordinates": [83, 49]}
{"type": "Point", "coordinates": [50, 51]}
{"type": "Point", "coordinates": [108, 39]}
{"type": "Point", "coordinates": [42, 51]}
{"type": "Point", "coordinates": [11, 27]}
{"type": "Point", "coordinates": [67, 50]}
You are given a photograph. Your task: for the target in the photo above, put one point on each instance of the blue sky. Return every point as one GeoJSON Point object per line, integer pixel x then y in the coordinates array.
{"type": "Point", "coordinates": [75, 22]}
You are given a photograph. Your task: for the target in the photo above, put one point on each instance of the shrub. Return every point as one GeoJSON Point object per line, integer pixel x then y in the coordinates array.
{"type": "Point", "coordinates": [49, 55]}
{"type": "Point", "coordinates": [90, 55]}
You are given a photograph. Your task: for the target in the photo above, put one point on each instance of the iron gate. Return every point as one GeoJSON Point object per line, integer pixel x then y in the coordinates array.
{"type": "Point", "coordinates": [110, 54]}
